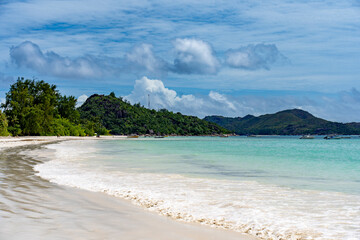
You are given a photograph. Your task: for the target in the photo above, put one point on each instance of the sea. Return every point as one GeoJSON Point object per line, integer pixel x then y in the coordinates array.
{"type": "Point", "coordinates": [271, 187]}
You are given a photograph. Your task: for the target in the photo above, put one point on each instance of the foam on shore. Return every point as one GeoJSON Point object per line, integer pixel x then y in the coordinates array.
{"type": "Point", "coordinates": [32, 208]}
{"type": "Point", "coordinates": [265, 211]}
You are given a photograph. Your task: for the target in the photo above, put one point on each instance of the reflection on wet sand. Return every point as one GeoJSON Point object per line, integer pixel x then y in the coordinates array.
{"type": "Point", "coordinates": [33, 208]}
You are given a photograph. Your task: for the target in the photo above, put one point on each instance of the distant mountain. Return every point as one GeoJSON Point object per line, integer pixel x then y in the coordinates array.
{"type": "Point", "coordinates": [288, 122]}
{"type": "Point", "coordinates": [121, 117]}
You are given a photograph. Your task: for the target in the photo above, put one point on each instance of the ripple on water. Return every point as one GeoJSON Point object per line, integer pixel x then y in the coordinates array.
{"type": "Point", "coordinates": [263, 210]}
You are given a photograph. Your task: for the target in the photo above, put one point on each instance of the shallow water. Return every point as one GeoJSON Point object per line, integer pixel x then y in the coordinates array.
{"type": "Point", "coordinates": [32, 208]}
{"type": "Point", "coordinates": [274, 188]}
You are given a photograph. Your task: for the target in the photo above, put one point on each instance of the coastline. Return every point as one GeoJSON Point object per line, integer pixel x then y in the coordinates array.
{"type": "Point", "coordinates": [48, 210]}
{"type": "Point", "coordinates": [10, 142]}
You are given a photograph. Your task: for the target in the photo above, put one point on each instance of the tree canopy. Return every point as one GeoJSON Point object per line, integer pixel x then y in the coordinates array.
{"type": "Point", "coordinates": [3, 125]}
{"type": "Point", "coordinates": [37, 108]}
{"type": "Point", "coordinates": [121, 117]}
{"type": "Point", "coordinates": [287, 122]}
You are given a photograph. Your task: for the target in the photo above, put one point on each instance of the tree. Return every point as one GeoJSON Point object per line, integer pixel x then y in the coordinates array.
{"type": "Point", "coordinates": [67, 108]}
{"type": "Point", "coordinates": [37, 108]}
{"type": "Point", "coordinates": [120, 117]}
{"type": "Point", "coordinates": [30, 106]}
{"type": "Point", "coordinates": [3, 125]}
{"type": "Point", "coordinates": [112, 94]}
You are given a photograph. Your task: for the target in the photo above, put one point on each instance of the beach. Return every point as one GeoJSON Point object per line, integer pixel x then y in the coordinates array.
{"type": "Point", "coordinates": [274, 187]}
{"type": "Point", "coordinates": [34, 208]}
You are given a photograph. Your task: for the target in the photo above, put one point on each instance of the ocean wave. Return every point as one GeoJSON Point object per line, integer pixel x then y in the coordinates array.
{"type": "Point", "coordinates": [265, 211]}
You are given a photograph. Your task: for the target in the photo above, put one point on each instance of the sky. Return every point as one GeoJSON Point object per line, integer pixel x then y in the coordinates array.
{"type": "Point", "coordinates": [229, 58]}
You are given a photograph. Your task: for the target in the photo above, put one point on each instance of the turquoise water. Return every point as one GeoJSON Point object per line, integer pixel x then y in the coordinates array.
{"type": "Point", "coordinates": [317, 164]}
{"type": "Point", "coordinates": [270, 187]}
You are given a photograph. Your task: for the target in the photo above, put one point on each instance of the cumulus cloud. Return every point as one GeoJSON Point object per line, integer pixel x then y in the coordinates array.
{"type": "Point", "coordinates": [343, 106]}
{"type": "Point", "coordinates": [214, 103]}
{"type": "Point", "coordinates": [160, 96]}
{"type": "Point", "coordinates": [253, 57]}
{"type": "Point", "coordinates": [81, 99]}
{"type": "Point", "coordinates": [29, 55]}
{"type": "Point", "coordinates": [194, 56]}
{"type": "Point", "coordinates": [142, 58]}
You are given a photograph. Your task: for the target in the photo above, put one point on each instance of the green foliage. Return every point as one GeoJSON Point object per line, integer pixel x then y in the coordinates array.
{"type": "Point", "coordinates": [63, 127]}
{"type": "Point", "coordinates": [288, 122]}
{"type": "Point", "coordinates": [3, 125]}
{"type": "Point", "coordinates": [66, 107]}
{"type": "Point", "coordinates": [89, 127]}
{"type": "Point", "coordinates": [112, 94]}
{"type": "Point", "coordinates": [120, 117]}
{"type": "Point", "coordinates": [37, 108]}
{"type": "Point", "coordinates": [33, 123]}
{"type": "Point", "coordinates": [30, 106]}
{"type": "Point", "coordinates": [94, 127]}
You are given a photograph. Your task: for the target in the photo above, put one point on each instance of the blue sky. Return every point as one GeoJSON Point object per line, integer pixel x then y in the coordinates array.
{"type": "Point", "coordinates": [228, 58]}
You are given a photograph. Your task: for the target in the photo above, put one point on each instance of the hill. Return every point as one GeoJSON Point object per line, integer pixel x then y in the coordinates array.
{"type": "Point", "coordinates": [121, 117]}
{"type": "Point", "coordinates": [288, 122]}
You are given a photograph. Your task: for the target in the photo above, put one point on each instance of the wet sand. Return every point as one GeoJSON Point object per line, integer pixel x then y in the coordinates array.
{"type": "Point", "coordinates": [33, 208]}
{"type": "Point", "coordinates": [9, 142]}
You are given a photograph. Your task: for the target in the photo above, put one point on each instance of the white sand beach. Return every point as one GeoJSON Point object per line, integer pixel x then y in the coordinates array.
{"type": "Point", "coordinates": [33, 208]}
{"type": "Point", "coordinates": [9, 142]}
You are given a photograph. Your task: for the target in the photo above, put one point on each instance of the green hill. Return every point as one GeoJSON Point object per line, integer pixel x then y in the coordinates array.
{"type": "Point", "coordinates": [121, 117]}
{"type": "Point", "coordinates": [288, 122]}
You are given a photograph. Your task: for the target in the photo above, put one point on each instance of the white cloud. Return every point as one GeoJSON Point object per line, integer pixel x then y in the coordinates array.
{"type": "Point", "coordinates": [212, 104]}
{"type": "Point", "coordinates": [29, 55]}
{"type": "Point", "coordinates": [322, 31]}
{"type": "Point", "coordinates": [160, 96]}
{"type": "Point", "coordinates": [35, 13]}
{"type": "Point", "coordinates": [142, 58]}
{"type": "Point", "coordinates": [222, 99]}
{"type": "Point", "coordinates": [194, 56]}
{"type": "Point", "coordinates": [254, 57]}
{"type": "Point", "coordinates": [343, 107]}
{"type": "Point", "coordinates": [81, 99]}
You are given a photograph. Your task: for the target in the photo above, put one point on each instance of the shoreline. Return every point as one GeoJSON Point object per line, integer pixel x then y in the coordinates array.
{"type": "Point", "coordinates": [97, 212]}
{"type": "Point", "coordinates": [11, 142]}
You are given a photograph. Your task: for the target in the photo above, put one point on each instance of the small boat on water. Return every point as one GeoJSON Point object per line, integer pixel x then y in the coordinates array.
{"type": "Point", "coordinates": [307, 137]}
{"type": "Point", "coordinates": [159, 136]}
{"type": "Point", "coordinates": [223, 135]}
{"type": "Point", "coordinates": [133, 136]}
{"type": "Point", "coordinates": [252, 136]}
{"type": "Point", "coordinates": [332, 136]}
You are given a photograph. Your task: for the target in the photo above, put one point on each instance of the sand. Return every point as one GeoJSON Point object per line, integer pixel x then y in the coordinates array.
{"type": "Point", "coordinates": [9, 142]}
{"type": "Point", "coordinates": [33, 208]}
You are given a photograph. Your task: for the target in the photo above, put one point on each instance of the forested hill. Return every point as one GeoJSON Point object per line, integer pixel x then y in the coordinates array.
{"type": "Point", "coordinates": [121, 117]}
{"type": "Point", "coordinates": [288, 122]}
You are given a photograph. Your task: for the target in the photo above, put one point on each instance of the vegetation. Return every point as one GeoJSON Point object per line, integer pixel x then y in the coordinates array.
{"type": "Point", "coordinates": [288, 122]}
{"type": "Point", "coordinates": [37, 108]}
{"type": "Point", "coordinates": [3, 125]}
{"type": "Point", "coordinates": [120, 117]}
